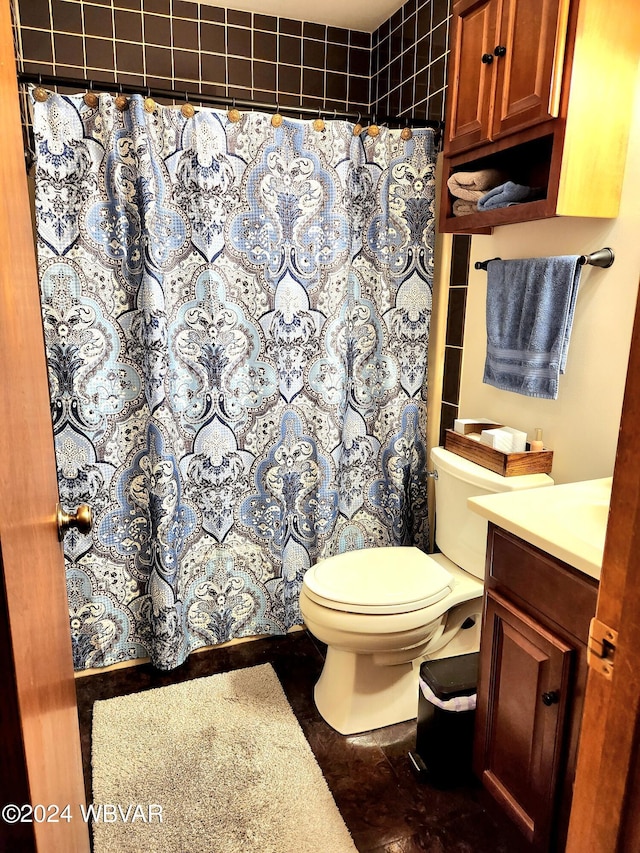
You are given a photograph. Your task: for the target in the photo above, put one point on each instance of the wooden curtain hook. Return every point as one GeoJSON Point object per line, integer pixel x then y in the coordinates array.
{"type": "Point", "coordinates": [187, 109]}
{"type": "Point", "coordinates": [233, 114]}
{"type": "Point", "coordinates": [90, 98]}
{"type": "Point", "coordinates": [149, 103]}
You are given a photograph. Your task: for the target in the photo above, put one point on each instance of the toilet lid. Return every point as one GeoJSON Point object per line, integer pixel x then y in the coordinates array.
{"type": "Point", "coordinates": [378, 580]}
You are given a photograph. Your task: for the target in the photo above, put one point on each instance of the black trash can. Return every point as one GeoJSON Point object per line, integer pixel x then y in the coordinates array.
{"type": "Point", "coordinates": [446, 715]}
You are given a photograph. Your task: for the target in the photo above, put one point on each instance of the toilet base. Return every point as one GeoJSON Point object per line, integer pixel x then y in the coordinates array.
{"type": "Point", "coordinates": [355, 695]}
{"type": "Point", "coordinates": [358, 692]}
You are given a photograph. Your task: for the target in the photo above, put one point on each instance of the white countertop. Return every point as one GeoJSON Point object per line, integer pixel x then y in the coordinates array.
{"type": "Point", "coordinates": [567, 521]}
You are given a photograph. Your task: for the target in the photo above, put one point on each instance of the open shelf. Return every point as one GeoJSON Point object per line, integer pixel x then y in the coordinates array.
{"type": "Point", "coordinates": [527, 163]}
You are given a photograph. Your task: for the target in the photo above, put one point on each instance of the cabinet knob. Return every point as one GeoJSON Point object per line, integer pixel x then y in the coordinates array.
{"type": "Point", "coordinates": [487, 58]}
{"type": "Point", "coordinates": [551, 697]}
{"type": "Point", "coordinates": [500, 50]}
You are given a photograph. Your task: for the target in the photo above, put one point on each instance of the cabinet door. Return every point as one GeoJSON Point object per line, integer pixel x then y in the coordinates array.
{"type": "Point", "coordinates": [529, 58]}
{"type": "Point", "coordinates": [522, 705]}
{"type": "Point", "coordinates": [474, 34]}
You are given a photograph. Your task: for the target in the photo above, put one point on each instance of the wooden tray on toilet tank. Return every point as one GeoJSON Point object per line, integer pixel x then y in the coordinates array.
{"type": "Point", "coordinates": [505, 464]}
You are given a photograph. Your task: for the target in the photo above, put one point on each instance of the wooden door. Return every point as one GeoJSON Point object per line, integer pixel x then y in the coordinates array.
{"type": "Point", "coordinates": [523, 699]}
{"type": "Point", "coordinates": [529, 62]}
{"type": "Point", "coordinates": [605, 817]}
{"type": "Point", "coordinates": [471, 80]}
{"type": "Point", "coordinates": [41, 758]}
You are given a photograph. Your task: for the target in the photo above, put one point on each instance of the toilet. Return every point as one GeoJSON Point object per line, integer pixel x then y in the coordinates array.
{"type": "Point", "coordinates": [382, 611]}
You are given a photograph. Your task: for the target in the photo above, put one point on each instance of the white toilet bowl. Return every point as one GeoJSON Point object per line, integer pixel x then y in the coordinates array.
{"type": "Point", "coordinates": [379, 610]}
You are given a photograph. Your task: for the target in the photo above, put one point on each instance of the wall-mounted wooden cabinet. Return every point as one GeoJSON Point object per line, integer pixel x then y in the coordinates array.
{"type": "Point", "coordinates": [506, 68]}
{"type": "Point", "coordinates": [531, 685]}
{"type": "Point", "coordinates": [543, 91]}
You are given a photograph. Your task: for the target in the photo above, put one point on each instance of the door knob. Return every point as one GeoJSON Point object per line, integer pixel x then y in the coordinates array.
{"type": "Point", "coordinates": [487, 58]}
{"type": "Point", "coordinates": [551, 697]}
{"type": "Point", "coordinates": [500, 50]}
{"type": "Point", "coordinates": [81, 519]}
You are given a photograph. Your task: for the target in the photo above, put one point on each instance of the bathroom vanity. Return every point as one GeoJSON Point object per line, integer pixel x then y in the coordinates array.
{"type": "Point", "coordinates": [544, 554]}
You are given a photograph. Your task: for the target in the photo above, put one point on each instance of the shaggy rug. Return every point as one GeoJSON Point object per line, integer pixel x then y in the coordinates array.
{"type": "Point", "coordinates": [213, 765]}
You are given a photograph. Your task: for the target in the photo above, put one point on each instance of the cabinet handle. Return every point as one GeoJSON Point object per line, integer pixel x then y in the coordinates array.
{"type": "Point", "coordinates": [551, 697]}
{"type": "Point", "coordinates": [500, 50]}
{"type": "Point", "coordinates": [487, 58]}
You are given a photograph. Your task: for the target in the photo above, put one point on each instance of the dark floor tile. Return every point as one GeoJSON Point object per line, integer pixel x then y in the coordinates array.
{"type": "Point", "coordinates": [418, 844]}
{"type": "Point", "coordinates": [363, 784]}
{"type": "Point", "coordinates": [386, 808]}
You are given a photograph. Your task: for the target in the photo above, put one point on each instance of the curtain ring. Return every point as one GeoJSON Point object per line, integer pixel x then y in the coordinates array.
{"type": "Point", "coordinates": [357, 128]}
{"type": "Point", "coordinates": [187, 109]}
{"type": "Point", "coordinates": [318, 123]}
{"type": "Point", "coordinates": [406, 132]}
{"type": "Point", "coordinates": [40, 94]}
{"type": "Point", "coordinates": [276, 118]}
{"type": "Point", "coordinates": [149, 103]}
{"type": "Point", "coordinates": [90, 98]}
{"type": "Point", "coordinates": [233, 114]}
{"type": "Point", "coordinates": [122, 104]}
{"type": "Point", "coordinates": [373, 129]}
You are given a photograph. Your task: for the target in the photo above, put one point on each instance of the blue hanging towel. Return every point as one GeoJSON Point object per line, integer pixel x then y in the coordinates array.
{"type": "Point", "coordinates": [530, 307]}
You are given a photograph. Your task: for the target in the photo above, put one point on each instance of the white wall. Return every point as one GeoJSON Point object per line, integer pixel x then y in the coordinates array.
{"type": "Point", "coordinates": [581, 426]}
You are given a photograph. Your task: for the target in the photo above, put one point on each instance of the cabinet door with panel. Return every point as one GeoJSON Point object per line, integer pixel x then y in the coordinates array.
{"type": "Point", "coordinates": [524, 681]}
{"type": "Point", "coordinates": [507, 59]}
{"type": "Point", "coordinates": [529, 63]}
{"type": "Point", "coordinates": [474, 34]}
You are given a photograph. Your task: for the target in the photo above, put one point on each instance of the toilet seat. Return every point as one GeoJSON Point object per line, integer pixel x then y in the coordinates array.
{"type": "Point", "coordinates": [378, 581]}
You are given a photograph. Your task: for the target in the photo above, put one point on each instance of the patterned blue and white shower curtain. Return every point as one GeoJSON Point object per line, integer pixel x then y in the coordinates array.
{"type": "Point", "coordinates": [236, 321]}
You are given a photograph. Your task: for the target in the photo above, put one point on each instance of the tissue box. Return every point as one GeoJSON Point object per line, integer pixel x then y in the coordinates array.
{"type": "Point", "coordinates": [505, 439]}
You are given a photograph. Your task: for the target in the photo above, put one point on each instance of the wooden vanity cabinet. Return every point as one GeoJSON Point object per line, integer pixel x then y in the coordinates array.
{"type": "Point", "coordinates": [542, 90]}
{"type": "Point", "coordinates": [531, 685]}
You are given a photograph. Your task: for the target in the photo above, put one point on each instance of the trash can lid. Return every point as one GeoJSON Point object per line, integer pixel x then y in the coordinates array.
{"type": "Point", "coordinates": [449, 677]}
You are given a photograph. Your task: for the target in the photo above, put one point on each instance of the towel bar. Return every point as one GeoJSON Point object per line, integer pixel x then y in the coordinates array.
{"type": "Point", "coordinates": [602, 258]}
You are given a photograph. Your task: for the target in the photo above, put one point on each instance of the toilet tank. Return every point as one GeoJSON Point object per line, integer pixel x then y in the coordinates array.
{"type": "Point", "coordinates": [461, 534]}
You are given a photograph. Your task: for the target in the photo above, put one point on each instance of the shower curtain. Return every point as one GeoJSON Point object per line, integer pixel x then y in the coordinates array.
{"type": "Point", "coordinates": [236, 320]}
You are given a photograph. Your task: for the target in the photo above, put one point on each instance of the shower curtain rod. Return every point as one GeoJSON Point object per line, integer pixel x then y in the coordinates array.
{"type": "Point", "coordinates": [222, 100]}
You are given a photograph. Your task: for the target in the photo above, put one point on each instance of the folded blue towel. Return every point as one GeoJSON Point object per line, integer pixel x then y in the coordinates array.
{"type": "Point", "coordinates": [507, 195]}
{"type": "Point", "coordinates": [530, 307]}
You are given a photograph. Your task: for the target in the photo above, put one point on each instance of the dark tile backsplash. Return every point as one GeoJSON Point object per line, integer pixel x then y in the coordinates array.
{"type": "Point", "coordinates": [458, 281]}
{"type": "Point", "coordinates": [174, 44]}
{"type": "Point", "coordinates": [409, 53]}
